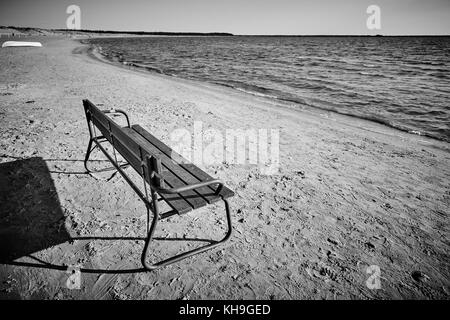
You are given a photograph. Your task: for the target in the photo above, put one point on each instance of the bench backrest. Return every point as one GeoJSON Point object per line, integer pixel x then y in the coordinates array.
{"type": "Point", "coordinates": [124, 143]}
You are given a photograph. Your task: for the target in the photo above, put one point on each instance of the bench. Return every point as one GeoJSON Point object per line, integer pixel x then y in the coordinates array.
{"type": "Point", "coordinates": [168, 176]}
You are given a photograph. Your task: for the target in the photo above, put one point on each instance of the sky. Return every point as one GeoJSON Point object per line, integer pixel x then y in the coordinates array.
{"type": "Point", "coordinates": [300, 17]}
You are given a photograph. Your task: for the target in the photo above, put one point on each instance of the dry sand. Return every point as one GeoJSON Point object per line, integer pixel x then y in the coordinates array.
{"type": "Point", "coordinates": [349, 194]}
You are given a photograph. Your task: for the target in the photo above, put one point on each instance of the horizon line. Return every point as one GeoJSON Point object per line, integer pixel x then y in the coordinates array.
{"type": "Point", "coordinates": [224, 33]}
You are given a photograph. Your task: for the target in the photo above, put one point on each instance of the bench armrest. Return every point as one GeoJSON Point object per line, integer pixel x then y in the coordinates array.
{"type": "Point", "coordinates": [116, 111]}
{"type": "Point", "coordinates": [191, 187]}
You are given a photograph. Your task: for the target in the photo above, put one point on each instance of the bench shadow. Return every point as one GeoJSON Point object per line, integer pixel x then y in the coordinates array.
{"type": "Point", "coordinates": [31, 217]}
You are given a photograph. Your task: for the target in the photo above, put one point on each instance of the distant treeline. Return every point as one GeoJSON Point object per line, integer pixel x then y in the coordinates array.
{"type": "Point", "coordinates": [163, 33]}
{"type": "Point", "coordinates": [156, 33]}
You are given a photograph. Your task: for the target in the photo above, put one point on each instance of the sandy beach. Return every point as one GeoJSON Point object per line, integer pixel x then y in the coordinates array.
{"type": "Point", "coordinates": [349, 193]}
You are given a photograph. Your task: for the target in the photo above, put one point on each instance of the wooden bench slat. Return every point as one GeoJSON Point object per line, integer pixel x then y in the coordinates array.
{"type": "Point", "coordinates": [196, 172]}
{"type": "Point", "coordinates": [104, 130]}
{"type": "Point", "coordinates": [170, 176]}
{"type": "Point", "coordinates": [119, 135]}
{"type": "Point", "coordinates": [98, 114]}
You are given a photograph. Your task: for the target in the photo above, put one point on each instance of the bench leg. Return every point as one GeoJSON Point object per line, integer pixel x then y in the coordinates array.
{"type": "Point", "coordinates": [88, 153]}
{"type": "Point", "coordinates": [184, 254]}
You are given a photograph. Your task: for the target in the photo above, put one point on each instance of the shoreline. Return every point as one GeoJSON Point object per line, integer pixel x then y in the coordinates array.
{"type": "Point", "coordinates": [94, 53]}
{"type": "Point", "coordinates": [349, 193]}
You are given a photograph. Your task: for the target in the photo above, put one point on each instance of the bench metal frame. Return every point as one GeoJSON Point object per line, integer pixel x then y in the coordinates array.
{"type": "Point", "coordinates": [157, 186]}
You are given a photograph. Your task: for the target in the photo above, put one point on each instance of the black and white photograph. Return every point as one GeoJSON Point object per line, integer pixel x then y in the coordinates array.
{"type": "Point", "coordinates": [211, 150]}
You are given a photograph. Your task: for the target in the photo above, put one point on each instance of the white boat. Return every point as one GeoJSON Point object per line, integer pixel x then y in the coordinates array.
{"type": "Point", "coordinates": [21, 44]}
